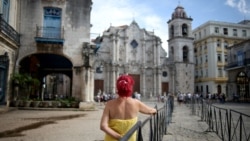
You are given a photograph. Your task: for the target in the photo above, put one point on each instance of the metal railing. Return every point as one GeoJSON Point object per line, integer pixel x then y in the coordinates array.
{"type": "Point", "coordinates": [9, 31]}
{"type": "Point", "coordinates": [228, 124]}
{"type": "Point", "coordinates": [49, 32]}
{"type": "Point", "coordinates": [154, 127]}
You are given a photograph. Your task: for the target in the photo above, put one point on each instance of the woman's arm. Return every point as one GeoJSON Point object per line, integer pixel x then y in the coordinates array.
{"type": "Point", "coordinates": [143, 108]}
{"type": "Point", "coordinates": [104, 124]}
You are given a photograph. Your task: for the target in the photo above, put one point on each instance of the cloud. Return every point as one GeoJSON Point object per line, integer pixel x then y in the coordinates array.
{"type": "Point", "coordinates": [241, 5]}
{"type": "Point", "coordinates": [116, 13]}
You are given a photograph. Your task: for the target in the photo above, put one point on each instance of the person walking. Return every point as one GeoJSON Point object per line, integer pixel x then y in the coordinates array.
{"type": "Point", "coordinates": [120, 114]}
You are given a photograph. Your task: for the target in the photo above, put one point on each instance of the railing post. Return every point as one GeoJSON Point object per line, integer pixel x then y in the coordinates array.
{"type": "Point", "coordinates": [241, 127]}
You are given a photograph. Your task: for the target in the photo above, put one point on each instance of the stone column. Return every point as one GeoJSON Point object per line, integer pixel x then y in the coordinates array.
{"type": "Point", "coordinates": [113, 79]}
{"type": "Point", "coordinates": [87, 93]}
{"type": "Point", "coordinates": [143, 82]}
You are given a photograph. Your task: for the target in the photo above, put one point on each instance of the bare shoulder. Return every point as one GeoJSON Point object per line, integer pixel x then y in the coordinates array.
{"type": "Point", "coordinates": [111, 103]}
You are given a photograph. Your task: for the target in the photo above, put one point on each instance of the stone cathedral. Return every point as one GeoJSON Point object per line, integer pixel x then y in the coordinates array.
{"type": "Point", "coordinates": [128, 49]}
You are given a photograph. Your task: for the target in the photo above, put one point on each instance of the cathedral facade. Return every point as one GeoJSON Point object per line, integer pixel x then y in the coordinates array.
{"type": "Point", "coordinates": [134, 51]}
{"type": "Point", "coordinates": [131, 50]}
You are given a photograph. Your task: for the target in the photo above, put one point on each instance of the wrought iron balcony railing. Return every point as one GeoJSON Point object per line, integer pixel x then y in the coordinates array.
{"type": "Point", "coordinates": [9, 31]}
{"type": "Point", "coordinates": [51, 35]}
{"type": "Point", "coordinates": [237, 64]}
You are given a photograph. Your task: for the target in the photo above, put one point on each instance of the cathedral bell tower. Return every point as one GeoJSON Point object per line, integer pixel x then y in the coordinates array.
{"type": "Point", "coordinates": [181, 52]}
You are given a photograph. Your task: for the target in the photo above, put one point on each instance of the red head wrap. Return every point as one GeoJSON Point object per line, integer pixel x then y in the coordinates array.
{"type": "Point", "coordinates": [125, 85]}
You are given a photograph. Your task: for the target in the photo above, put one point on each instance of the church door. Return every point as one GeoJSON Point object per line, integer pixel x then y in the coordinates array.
{"type": "Point", "coordinates": [137, 82]}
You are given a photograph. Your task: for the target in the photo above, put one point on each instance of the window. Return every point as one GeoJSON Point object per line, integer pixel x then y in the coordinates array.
{"type": "Point", "coordinates": [184, 30]}
{"type": "Point", "coordinates": [216, 30]}
{"type": "Point", "coordinates": [225, 44]}
{"type": "Point", "coordinates": [5, 10]}
{"type": "Point", "coordinates": [52, 22]}
{"type": "Point", "coordinates": [225, 32]}
{"type": "Point", "coordinates": [225, 58]}
{"type": "Point", "coordinates": [218, 43]}
{"type": "Point", "coordinates": [206, 72]}
{"type": "Point", "coordinates": [164, 74]}
{"type": "Point", "coordinates": [172, 31]}
{"type": "Point", "coordinates": [219, 57]}
{"type": "Point", "coordinates": [220, 72]}
{"type": "Point", "coordinates": [185, 54]}
{"type": "Point", "coordinates": [235, 32]}
{"type": "Point", "coordinates": [206, 58]}
{"type": "Point", "coordinates": [240, 58]}
{"type": "Point", "coordinates": [244, 33]}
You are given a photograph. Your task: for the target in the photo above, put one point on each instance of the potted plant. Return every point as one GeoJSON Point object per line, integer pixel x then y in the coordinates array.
{"type": "Point", "coordinates": [24, 85]}
{"type": "Point", "coordinates": [18, 82]}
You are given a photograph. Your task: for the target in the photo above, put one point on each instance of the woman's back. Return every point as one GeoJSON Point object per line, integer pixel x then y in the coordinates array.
{"type": "Point", "coordinates": [123, 108]}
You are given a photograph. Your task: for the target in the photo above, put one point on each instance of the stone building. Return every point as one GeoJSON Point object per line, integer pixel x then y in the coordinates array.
{"type": "Point", "coordinates": [181, 52]}
{"type": "Point", "coordinates": [238, 68]}
{"type": "Point", "coordinates": [54, 45]}
{"type": "Point", "coordinates": [55, 48]}
{"type": "Point", "coordinates": [9, 45]}
{"type": "Point", "coordinates": [135, 51]}
{"type": "Point", "coordinates": [211, 55]}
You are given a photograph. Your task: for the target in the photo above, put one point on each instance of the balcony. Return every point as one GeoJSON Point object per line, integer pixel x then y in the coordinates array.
{"type": "Point", "coordinates": [49, 35]}
{"type": "Point", "coordinates": [238, 64]}
{"type": "Point", "coordinates": [8, 31]}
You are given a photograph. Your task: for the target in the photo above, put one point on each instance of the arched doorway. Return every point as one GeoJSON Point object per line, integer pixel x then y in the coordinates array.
{"type": "Point", "coordinates": [242, 82]}
{"type": "Point", "coordinates": [53, 71]}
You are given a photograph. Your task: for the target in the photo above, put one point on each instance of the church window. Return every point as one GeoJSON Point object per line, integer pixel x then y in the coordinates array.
{"type": "Point", "coordinates": [172, 31]}
{"type": "Point", "coordinates": [185, 54]}
{"type": "Point", "coordinates": [164, 74]}
{"type": "Point", "coordinates": [184, 30]}
{"type": "Point", "coordinates": [134, 43]}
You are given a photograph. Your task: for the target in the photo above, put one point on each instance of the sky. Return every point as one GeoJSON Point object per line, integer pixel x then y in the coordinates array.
{"type": "Point", "coordinates": [153, 15]}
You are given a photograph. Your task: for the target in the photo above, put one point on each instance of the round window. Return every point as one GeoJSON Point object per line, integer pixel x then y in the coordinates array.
{"type": "Point", "coordinates": [165, 74]}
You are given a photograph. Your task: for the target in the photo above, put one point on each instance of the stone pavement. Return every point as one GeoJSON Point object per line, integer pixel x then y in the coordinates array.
{"type": "Point", "coordinates": [188, 127]}
{"type": "Point", "coordinates": [74, 125]}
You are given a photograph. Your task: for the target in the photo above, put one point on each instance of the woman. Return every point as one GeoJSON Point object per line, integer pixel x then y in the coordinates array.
{"type": "Point", "coordinates": [120, 114]}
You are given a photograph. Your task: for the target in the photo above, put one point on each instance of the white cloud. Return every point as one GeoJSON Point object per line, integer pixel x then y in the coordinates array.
{"type": "Point", "coordinates": [241, 5]}
{"type": "Point", "coordinates": [231, 3]}
{"type": "Point", "coordinates": [110, 12]}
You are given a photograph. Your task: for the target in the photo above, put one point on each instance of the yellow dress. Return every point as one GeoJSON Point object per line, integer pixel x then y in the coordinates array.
{"type": "Point", "coordinates": [121, 127]}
